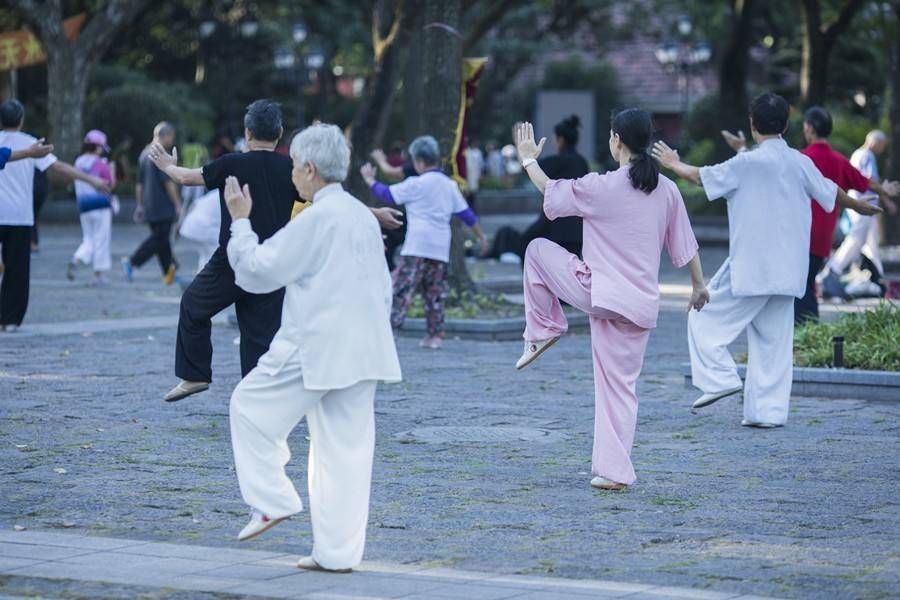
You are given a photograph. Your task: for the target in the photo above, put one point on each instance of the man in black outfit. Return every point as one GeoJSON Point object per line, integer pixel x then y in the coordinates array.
{"type": "Point", "coordinates": [268, 174]}
{"type": "Point", "coordinates": [158, 204]}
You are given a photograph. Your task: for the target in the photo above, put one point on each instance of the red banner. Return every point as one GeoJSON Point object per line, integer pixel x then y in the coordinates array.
{"type": "Point", "coordinates": [472, 70]}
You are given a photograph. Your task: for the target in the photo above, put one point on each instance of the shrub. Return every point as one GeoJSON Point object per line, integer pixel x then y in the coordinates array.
{"type": "Point", "coordinates": [871, 340]}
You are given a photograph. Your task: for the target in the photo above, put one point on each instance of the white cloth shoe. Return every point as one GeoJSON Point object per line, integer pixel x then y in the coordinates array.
{"type": "Point", "coordinates": [533, 350]}
{"type": "Point", "coordinates": [310, 564]}
{"type": "Point", "coordinates": [746, 423]}
{"type": "Point", "coordinates": [185, 389]}
{"type": "Point", "coordinates": [603, 483]}
{"type": "Point", "coordinates": [259, 523]}
{"type": "Point", "coordinates": [707, 399]}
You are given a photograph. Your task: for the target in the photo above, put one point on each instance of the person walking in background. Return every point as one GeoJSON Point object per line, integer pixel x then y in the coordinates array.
{"type": "Point", "coordinates": [158, 205]}
{"type": "Point", "coordinates": [629, 216]}
{"type": "Point", "coordinates": [268, 174]}
{"type": "Point", "coordinates": [565, 231]}
{"type": "Point", "coordinates": [333, 346]}
{"type": "Point", "coordinates": [17, 210]}
{"type": "Point", "coordinates": [864, 239]}
{"type": "Point", "coordinates": [817, 126]}
{"type": "Point", "coordinates": [95, 209]}
{"type": "Point", "coordinates": [768, 190]}
{"type": "Point", "coordinates": [431, 200]}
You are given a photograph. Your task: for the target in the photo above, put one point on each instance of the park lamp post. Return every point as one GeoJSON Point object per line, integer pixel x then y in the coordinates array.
{"type": "Point", "coordinates": [682, 57]}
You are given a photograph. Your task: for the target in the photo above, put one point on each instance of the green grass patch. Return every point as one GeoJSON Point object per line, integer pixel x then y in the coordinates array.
{"type": "Point", "coordinates": [871, 340]}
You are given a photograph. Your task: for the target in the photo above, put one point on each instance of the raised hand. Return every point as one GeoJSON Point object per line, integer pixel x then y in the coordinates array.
{"type": "Point", "coordinates": [237, 200]}
{"type": "Point", "coordinates": [891, 188]}
{"type": "Point", "coordinates": [161, 158]}
{"type": "Point", "coordinates": [39, 149]}
{"type": "Point", "coordinates": [523, 137]}
{"type": "Point", "coordinates": [378, 155]}
{"type": "Point", "coordinates": [368, 173]}
{"type": "Point", "coordinates": [736, 142]}
{"type": "Point", "coordinates": [666, 156]}
{"type": "Point", "coordinates": [699, 298]}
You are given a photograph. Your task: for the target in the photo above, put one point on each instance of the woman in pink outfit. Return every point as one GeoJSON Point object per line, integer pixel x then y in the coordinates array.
{"type": "Point", "coordinates": [629, 215]}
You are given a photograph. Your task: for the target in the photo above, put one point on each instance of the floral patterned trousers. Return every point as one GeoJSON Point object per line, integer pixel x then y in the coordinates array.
{"type": "Point", "coordinates": [412, 274]}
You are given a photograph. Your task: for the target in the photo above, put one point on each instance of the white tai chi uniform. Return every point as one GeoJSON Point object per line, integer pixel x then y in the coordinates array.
{"type": "Point", "coordinates": [334, 344]}
{"type": "Point", "coordinates": [201, 226]}
{"type": "Point", "coordinates": [768, 190]}
{"type": "Point", "coordinates": [864, 236]}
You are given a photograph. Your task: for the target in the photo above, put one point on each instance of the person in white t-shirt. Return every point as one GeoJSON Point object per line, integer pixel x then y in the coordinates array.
{"type": "Point", "coordinates": [17, 211]}
{"type": "Point", "coordinates": [431, 199]}
{"type": "Point", "coordinates": [864, 237]}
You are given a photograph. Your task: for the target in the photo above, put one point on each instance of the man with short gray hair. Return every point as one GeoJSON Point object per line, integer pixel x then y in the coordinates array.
{"type": "Point", "coordinates": [335, 343]}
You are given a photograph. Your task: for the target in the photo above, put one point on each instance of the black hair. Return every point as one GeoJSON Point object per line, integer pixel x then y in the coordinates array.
{"type": "Point", "coordinates": [567, 129]}
{"type": "Point", "coordinates": [89, 148]}
{"type": "Point", "coordinates": [263, 119]}
{"type": "Point", "coordinates": [635, 128]}
{"type": "Point", "coordinates": [820, 120]}
{"type": "Point", "coordinates": [12, 113]}
{"type": "Point", "coordinates": [769, 113]}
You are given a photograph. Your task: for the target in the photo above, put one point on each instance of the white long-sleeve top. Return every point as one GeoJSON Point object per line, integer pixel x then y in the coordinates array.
{"type": "Point", "coordinates": [338, 293]}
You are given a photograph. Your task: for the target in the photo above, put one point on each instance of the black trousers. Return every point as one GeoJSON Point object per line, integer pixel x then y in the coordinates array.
{"type": "Point", "coordinates": [158, 243]}
{"type": "Point", "coordinates": [393, 239]}
{"type": "Point", "coordinates": [41, 188]}
{"type": "Point", "coordinates": [212, 291]}
{"type": "Point", "coordinates": [508, 239]}
{"type": "Point", "coordinates": [807, 307]}
{"type": "Point", "coordinates": [16, 253]}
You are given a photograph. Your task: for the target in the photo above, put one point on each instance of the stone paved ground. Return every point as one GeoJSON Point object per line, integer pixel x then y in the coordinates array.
{"type": "Point", "coordinates": [87, 446]}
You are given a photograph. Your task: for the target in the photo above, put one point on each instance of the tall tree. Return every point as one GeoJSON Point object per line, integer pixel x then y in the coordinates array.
{"type": "Point", "coordinates": [734, 67]}
{"type": "Point", "coordinates": [819, 39]}
{"type": "Point", "coordinates": [892, 38]}
{"type": "Point", "coordinates": [69, 63]}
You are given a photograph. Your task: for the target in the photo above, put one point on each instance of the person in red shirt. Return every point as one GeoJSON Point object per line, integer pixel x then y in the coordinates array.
{"type": "Point", "coordinates": [817, 126]}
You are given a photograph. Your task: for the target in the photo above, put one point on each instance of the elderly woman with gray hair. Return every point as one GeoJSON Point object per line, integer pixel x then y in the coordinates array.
{"type": "Point", "coordinates": [335, 343]}
{"type": "Point", "coordinates": [431, 199]}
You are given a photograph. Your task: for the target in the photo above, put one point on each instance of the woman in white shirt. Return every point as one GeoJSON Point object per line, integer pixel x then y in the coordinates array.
{"type": "Point", "coordinates": [334, 344]}
{"type": "Point", "coordinates": [431, 199]}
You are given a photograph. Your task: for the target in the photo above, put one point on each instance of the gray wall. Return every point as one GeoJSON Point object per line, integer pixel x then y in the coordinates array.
{"type": "Point", "coordinates": [555, 105]}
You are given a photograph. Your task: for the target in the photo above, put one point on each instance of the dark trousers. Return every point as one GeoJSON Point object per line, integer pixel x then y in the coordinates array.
{"type": "Point", "coordinates": [158, 243]}
{"type": "Point", "coordinates": [16, 253]}
{"type": "Point", "coordinates": [807, 307]}
{"type": "Point", "coordinates": [393, 239]}
{"type": "Point", "coordinates": [41, 189]}
{"type": "Point", "coordinates": [508, 239]}
{"type": "Point", "coordinates": [212, 291]}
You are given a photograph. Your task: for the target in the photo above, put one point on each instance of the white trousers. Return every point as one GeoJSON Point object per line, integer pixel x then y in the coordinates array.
{"type": "Point", "coordinates": [864, 237]}
{"type": "Point", "coordinates": [96, 234]}
{"type": "Point", "coordinates": [769, 321]}
{"type": "Point", "coordinates": [265, 407]}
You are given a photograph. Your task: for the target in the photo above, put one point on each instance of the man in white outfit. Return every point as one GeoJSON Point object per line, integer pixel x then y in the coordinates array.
{"type": "Point", "coordinates": [864, 237]}
{"type": "Point", "coordinates": [768, 190]}
{"type": "Point", "coordinates": [334, 344]}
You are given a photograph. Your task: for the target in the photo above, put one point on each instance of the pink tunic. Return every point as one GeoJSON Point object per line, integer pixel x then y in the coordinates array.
{"type": "Point", "coordinates": [625, 231]}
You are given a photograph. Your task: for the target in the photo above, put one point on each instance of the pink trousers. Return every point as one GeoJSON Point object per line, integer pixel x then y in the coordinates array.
{"type": "Point", "coordinates": [553, 274]}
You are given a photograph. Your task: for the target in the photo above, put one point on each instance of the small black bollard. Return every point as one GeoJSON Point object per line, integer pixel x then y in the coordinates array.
{"type": "Point", "coordinates": [837, 360]}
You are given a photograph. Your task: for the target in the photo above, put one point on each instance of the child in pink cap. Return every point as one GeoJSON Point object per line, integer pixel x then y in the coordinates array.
{"type": "Point", "coordinates": [95, 208]}
{"type": "Point", "coordinates": [629, 215]}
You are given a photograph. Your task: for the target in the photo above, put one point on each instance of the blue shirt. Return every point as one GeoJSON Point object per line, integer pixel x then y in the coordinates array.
{"type": "Point", "coordinates": [5, 153]}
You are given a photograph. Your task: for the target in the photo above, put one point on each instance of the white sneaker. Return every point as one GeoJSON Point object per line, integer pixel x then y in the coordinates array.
{"type": "Point", "coordinates": [433, 342]}
{"type": "Point", "coordinates": [9, 328]}
{"type": "Point", "coordinates": [258, 524]}
{"type": "Point", "coordinates": [707, 399]}
{"type": "Point", "coordinates": [533, 350]}
{"type": "Point", "coordinates": [746, 423]}
{"type": "Point", "coordinates": [310, 564]}
{"type": "Point", "coordinates": [606, 484]}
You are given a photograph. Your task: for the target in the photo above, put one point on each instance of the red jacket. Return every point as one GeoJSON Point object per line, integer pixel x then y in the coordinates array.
{"type": "Point", "coordinates": [836, 167]}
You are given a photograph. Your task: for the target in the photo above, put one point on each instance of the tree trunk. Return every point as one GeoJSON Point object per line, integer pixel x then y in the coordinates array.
{"type": "Point", "coordinates": [733, 72]}
{"type": "Point", "coordinates": [892, 223]}
{"type": "Point", "coordinates": [67, 76]}
{"type": "Point", "coordinates": [370, 118]}
{"type": "Point", "coordinates": [818, 41]}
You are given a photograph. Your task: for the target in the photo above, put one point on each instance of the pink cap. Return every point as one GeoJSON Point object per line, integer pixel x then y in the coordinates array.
{"type": "Point", "coordinates": [95, 136]}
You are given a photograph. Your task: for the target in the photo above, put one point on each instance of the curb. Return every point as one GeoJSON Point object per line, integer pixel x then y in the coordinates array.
{"type": "Point", "coordinates": [857, 384]}
{"type": "Point", "coordinates": [488, 329]}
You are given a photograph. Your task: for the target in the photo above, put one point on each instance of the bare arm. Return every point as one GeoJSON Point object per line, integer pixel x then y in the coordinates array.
{"type": "Point", "coordinates": [523, 137]}
{"type": "Point", "coordinates": [669, 158]}
{"type": "Point", "coordinates": [390, 171]}
{"type": "Point", "coordinates": [70, 173]}
{"type": "Point", "coordinates": [168, 164]}
{"type": "Point", "coordinates": [860, 206]}
{"type": "Point", "coordinates": [37, 150]}
{"type": "Point", "coordinates": [699, 293]}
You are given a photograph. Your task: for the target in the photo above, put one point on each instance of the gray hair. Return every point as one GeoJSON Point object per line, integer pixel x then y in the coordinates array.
{"type": "Point", "coordinates": [876, 135]}
{"type": "Point", "coordinates": [325, 147]}
{"type": "Point", "coordinates": [426, 149]}
{"type": "Point", "coordinates": [163, 129]}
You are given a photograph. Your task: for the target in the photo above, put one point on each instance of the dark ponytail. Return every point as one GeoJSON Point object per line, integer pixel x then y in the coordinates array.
{"type": "Point", "coordinates": [635, 128]}
{"type": "Point", "coordinates": [567, 129]}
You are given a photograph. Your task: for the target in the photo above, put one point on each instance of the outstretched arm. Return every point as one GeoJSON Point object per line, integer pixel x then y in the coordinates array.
{"type": "Point", "coordinates": [885, 190]}
{"type": "Point", "coordinates": [669, 158]}
{"type": "Point", "coordinates": [391, 172]}
{"type": "Point", "coordinates": [168, 164]}
{"type": "Point", "coordinates": [523, 137]}
{"type": "Point", "coordinates": [37, 150]}
{"type": "Point", "coordinates": [69, 172]}
{"type": "Point", "coordinates": [860, 206]}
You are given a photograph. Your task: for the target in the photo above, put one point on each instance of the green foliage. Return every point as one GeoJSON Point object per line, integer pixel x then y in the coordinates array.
{"type": "Point", "coordinates": [469, 306]}
{"type": "Point", "coordinates": [598, 77]}
{"type": "Point", "coordinates": [871, 340]}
